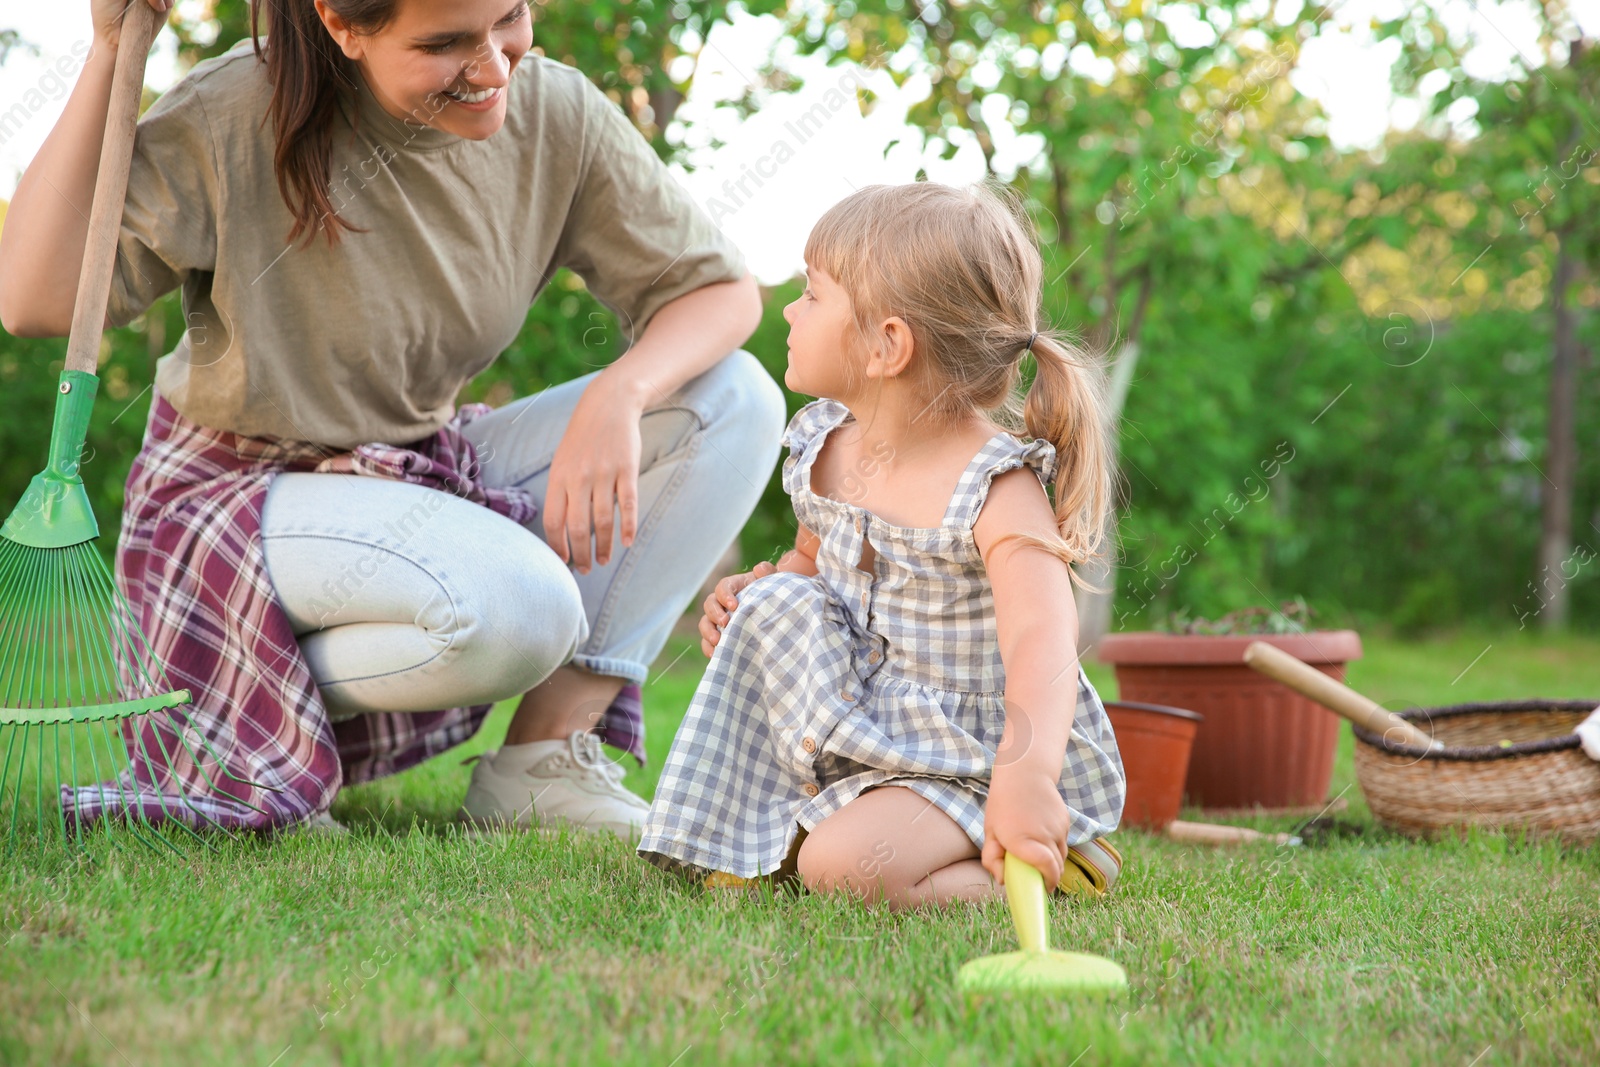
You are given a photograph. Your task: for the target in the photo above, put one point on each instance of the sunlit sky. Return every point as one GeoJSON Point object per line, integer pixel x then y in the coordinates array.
{"type": "Point", "coordinates": [1343, 68]}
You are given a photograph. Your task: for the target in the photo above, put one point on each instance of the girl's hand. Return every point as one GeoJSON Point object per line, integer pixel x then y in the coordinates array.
{"type": "Point", "coordinates": [723, 599]}
{"type": "Point", "coordinates": [1026, 815]}
{"type": "Point", "coordinates": [107, 18]}
{"type": "Point", "coordinates": [595, 471]}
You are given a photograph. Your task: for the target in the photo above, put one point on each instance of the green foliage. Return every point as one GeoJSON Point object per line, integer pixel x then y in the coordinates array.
{"type": "Point", "coordinates": [1342, 389]}
{"type": "Point", "coordinates": [1402, 491]}
{"type": "Point", "coordinates": [1137, 159]}
{"type": "Point", "coordinates": [1190, 201]}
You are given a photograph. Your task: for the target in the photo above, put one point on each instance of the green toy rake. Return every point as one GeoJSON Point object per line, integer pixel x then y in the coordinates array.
{"type": "Point", "coordinates": [74, 668]}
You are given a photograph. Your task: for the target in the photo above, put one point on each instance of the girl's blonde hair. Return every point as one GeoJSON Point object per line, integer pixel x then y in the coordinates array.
{"type": "Point", "coordinates": [962, 268]}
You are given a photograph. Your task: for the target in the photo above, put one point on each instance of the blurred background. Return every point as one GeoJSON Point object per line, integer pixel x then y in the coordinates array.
{"type": "Point", "coordinates": [1339, 257]}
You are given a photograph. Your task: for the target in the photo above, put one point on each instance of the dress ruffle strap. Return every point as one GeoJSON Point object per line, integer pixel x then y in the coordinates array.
{"type": "Point", "coordinates": [809, 425]}
{"type": "Point", "coordinates": [1002, 454]}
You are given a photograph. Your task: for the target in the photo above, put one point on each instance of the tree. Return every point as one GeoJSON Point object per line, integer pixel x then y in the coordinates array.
{"type": "Point", "coordinates": [1527, 165]}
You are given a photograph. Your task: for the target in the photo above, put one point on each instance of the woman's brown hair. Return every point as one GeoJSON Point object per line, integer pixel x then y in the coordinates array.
{"type": "Point", "coordinates": [308, 74]}
{"type": "Point", "coordinates": [962, 268]}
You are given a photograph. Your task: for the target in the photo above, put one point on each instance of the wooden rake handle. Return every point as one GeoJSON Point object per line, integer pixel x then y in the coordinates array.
{"type": "Point", "coordinates": [139, 25]}
{"type": "Point", "coordinates": [1335, 696]}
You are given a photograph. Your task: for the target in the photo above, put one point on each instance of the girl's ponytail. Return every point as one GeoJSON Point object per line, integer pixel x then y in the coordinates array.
{"type": "Point", "coordinates": [962, 267]}
{"type": "Point", "coordinates": [1066, 406]}
{"type": "Point", "coordinates": [308, 72]}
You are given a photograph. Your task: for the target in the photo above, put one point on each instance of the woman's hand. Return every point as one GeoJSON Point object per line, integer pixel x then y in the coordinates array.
{"type": "Point", "coordinates": [107, 18]}
{"type": "Point", "coordinates": [594, 473]}
{"type": "Point", "coordinates": [1026, 815]}
{"type": "Point", "coordinates": [723, 599]}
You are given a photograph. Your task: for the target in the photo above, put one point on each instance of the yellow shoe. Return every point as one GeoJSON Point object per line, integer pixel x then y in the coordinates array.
{"type": "Point", "coordinates": [724, 880]}
{"type": "Point", "coordinates": [1092, 869]}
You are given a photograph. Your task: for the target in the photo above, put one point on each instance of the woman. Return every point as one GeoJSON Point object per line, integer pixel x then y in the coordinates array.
{"type": "Point", "coordinates": [359, 208]}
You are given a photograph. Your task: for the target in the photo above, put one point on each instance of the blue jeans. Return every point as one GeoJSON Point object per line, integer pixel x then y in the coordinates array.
{"type": "Point", "coordinates": [409, 599]}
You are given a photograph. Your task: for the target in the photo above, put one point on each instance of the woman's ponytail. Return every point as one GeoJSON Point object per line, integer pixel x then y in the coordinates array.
{"type": "Point", "coordinates": [308, 72]}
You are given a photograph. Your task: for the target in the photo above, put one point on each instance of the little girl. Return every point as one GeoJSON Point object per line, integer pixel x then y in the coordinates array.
{"type": "Point", "coordinates": [898, 703]}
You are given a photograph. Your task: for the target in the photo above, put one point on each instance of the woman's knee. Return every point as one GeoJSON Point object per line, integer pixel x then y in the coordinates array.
{"type": "Point", "coordinates": [521, 621]}
{"type": "Point", "coordinates": [740, 401]}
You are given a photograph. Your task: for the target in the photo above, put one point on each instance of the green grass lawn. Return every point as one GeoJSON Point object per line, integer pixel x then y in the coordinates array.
{"type": "Point", "coordinates": [406, 943]}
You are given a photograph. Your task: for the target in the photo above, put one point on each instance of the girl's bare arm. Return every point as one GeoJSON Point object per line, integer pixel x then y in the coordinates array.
{"type": "Point", "coordinates": [1037, 625]}
{"type": "Point", "coordinates": [802, 558]}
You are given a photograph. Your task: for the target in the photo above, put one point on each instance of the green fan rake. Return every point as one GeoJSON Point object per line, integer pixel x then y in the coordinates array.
{"type": "Point", "coordinates": [77, 677]}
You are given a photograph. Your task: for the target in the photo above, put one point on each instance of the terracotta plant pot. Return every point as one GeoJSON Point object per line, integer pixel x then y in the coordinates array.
{"type": "Point", "coordinates": [1262, 744]}
{"type": "Point", "coordinates": [1154, 742]}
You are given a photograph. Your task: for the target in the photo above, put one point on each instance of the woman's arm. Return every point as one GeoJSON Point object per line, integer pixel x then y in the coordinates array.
{"type": "Point", "coordinates": [684, 339]}
{"type": "Point", "coordinates": [47, 222]}
{"type": "Point", "coordinates": [595, 470]}
{"type": "Point", "coordinates": [1037, 625]}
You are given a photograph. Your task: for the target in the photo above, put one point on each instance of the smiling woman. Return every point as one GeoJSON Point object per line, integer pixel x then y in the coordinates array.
{"type": "Point", "coordinates": [344, 568]}
{"type": "Point", "coordinates": [442, 65]}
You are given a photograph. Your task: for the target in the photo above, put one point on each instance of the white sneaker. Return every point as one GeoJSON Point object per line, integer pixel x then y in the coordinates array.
{"type": "Point", "coordinates": [544, 782]}
{"type": "Point", "coordinates": [320, 823]}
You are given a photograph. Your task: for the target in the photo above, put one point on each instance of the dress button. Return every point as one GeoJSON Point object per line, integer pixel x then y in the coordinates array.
{"type": "Point", "coordinates": [809, 745]}
{"type": "Point", "coordinates": [848, 697]}
{"type": "Point", "coordinates": [873, 657]}
{"type": "Point", "coordinates": [858, 524]}
{"type": "Point", "coordinates": [810, 789]}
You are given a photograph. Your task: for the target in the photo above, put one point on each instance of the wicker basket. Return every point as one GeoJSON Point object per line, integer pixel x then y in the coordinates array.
{"type": "Point", "coordinates": [1513, 765]}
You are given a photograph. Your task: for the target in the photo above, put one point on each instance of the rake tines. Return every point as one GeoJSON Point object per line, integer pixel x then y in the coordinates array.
{"type": "Point", "coordinates": [87, 715]}
{"type": "Point", "coordinates": [74, 669]}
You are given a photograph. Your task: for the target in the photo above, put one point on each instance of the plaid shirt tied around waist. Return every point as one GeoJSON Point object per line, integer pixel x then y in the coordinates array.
{"type": "Point", "coordinates": [256, 749]}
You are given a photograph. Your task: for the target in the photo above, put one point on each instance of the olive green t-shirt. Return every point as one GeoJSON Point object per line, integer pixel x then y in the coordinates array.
{"type": "Point", "coordinates": [371, 340]}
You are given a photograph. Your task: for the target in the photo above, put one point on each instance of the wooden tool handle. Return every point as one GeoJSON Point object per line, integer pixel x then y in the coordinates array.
{"type": "Point", "coordinates": [1333, 695]}
{"type": "Point", "coordinates": [139, 26]}
{"type": "Point", "coordinates": [1207, 833]}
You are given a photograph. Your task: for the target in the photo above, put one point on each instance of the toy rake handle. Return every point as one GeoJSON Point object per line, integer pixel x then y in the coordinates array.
{"type": "Point", "coordinates": [1025, 894]}
{"type": "Point", "coordinates": [1334, 695]}
{"type": "Point", "coordinates": [139, 26]}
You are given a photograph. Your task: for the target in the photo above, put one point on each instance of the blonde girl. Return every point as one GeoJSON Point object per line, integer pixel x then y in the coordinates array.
{"type": "Point", "coordinates": [898, 703]}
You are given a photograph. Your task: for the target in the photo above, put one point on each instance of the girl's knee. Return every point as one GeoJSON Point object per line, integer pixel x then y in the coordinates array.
{"type": "Point", "coordinates": [777, 599]}
{"type": "Point", "coordinates": [831, 861]}
{"type": "Point", "coordinates": [824, 867]}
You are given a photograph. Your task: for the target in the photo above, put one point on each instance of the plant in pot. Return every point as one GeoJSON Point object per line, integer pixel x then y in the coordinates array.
{"type": "Point", "coordinates": [1261, 745]}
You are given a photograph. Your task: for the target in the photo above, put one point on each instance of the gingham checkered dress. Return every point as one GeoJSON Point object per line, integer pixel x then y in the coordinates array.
{"type": "Point", "coordinates": [824, 686]}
